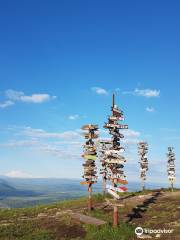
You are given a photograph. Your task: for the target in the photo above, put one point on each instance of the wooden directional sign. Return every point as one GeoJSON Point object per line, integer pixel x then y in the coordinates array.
{"type": "Point", "coordinates": [123, 126]}
{"type": "Point", "coordinates": [90, 127]}
{"type": "Point", "coordinates": [114, 194]}
{"type": "Point", "coordinates": [115, 161]}
{"type": "Point", "coordinates": [122, 181]}
{"type": "Point", "coordinates": [89, 157]}
{"type": "Point", "coordinates": [87, 183]}
{"type": "Point", "coordinates": [92, 136]}
{"type": "Point", "coordinates": [117, 189]}
{"type": "Point", "coordinates": [118, 126]}
{"type": "Point", "coordinates": [116, 118]}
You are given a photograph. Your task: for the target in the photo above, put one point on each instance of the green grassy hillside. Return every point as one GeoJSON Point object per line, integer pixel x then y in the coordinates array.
{"type": "Point", "coordinates": [150, 209]}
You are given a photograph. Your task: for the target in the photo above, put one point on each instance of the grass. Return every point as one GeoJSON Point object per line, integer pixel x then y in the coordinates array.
{"type": "Point", "coordinates": [12, 214]}
{"type": "Point", "coordinates": [65, 228]}
{"type": "Point", "coordinates": [123, 232]}
{"type": "Point", "coordinates": [26, 231]}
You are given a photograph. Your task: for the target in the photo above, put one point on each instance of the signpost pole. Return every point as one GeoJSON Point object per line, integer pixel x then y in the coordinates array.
{"type": "Point", "coordinates": [89, 154]}
{"type": "Point", "coordinates": [90, 204]}
{"type": "Point", "coordinates": [104, 186]}
{"type": "Point", "coordinates": [114, 159]}
{"type": "Point", "coordinates": [115, 219]}
{"type": "Point", "coordinates": [143, 150]}
{"type": "Point", "coordinates": [143, 186]}
{"type": "Point", "coordinates": [171, 167]}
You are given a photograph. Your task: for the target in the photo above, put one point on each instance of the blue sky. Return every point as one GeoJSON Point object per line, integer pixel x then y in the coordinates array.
{"type": "Point", "coordinates": [60, 62]}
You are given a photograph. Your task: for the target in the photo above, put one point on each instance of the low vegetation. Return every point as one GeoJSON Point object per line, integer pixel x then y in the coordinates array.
{"type": "Point", "coordinates": [52, 222]}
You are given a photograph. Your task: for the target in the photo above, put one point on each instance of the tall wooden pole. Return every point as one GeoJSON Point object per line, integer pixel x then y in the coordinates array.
{"type": "Point", "coordinates": [143, 185]}
{"type": "Point", "coordinates": [114, 160]}
{"type": "Point", "coordinates": [89, 154]}
{"type": "Point", "coordinates": [90, 203]}
{"type": "Point", "coordinates": [113, 102]}
{"type": "Point", "coordinates": [104, 145]}
{"type": "Point", "coordinates": [104, 186]}
{"type": "Point", "coordinates": [143, 150]}
{"type": "Point", "coordinates": [172, 187]}
{"type": "Point", "coordinates": [115, 212]}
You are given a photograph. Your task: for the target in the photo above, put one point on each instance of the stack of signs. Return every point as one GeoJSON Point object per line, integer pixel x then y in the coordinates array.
{"type": "Point", "coordinates": [114, 160]}
{"type": "Point", "coordinates": [171, 165]}
{"type": "Point", "coordinates": [142, 150]}
{"type": "Point", "coordinates": [104, 147]}
{"type": "Point", "coordinates": [90, 169]}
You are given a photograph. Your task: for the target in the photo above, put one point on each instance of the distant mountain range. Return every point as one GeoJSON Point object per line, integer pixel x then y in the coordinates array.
{"type": "Point", "coordinates": [18, 192]}
{"type": "Point", "coordinates": [7, 190]}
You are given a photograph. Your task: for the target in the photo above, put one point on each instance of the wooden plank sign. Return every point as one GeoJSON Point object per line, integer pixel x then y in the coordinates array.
{"type": "Point", "coordinates": [114, 194]}
{"type": "Point", "coordinates": [85, 182]}
{"type": "Point", "coordinates": [117, 189]}
{"type": "Point", "coordinates": [89, 157]}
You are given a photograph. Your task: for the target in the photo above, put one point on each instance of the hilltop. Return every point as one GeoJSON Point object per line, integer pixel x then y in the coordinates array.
{"type": "Point", "coordinates": [157, 209]}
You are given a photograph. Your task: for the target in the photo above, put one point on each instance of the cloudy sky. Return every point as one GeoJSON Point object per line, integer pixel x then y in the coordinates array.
{"type": "Point", "coordinates": [60, 62]}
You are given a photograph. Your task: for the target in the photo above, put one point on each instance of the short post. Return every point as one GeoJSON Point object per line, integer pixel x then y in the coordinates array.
{"type": "Point", "coordinates": [116, 217]}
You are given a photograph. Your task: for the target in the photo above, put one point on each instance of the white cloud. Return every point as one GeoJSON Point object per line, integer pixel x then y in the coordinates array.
{"type": "Point", "coordinates": [150, 109]}
{"type": "Point", "coordinates": [100, 91]}
{"type": "Point", "coordinates": [129, 141]}
{"type": "Point", "coordinates": [19, 143]}
{"type": "Point", "coordinates": [130, 133]}
{"type": "Point", "coordinates": [6, 104]}
{"type": "Point", "coordinates": [65, 145]}
{"type": "Point", "coordinates": [148, 93]}
{"type": "Point", "coordinates": [73, 117]}
{"type": "Point", "coordinates": [40, 133]}
{"type": "Point", "coordinates": [18, 174]}
{"type": "Point", "coordinates": [34, 98]}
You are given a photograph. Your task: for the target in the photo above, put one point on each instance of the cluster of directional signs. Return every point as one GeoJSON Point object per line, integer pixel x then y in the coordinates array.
{"type": "Point", "coordinates": [142, 150]}
{"type": "Point", "coordinates": [110, 155]}
{"type": "Point", "coordinates": [89, 154]}
{"type": "Point", "coordinates": [112, 163]}
{"type": "Point", "coordinates": [171, 165]}
{"type": "Point", "coordinates": [112, 158]}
